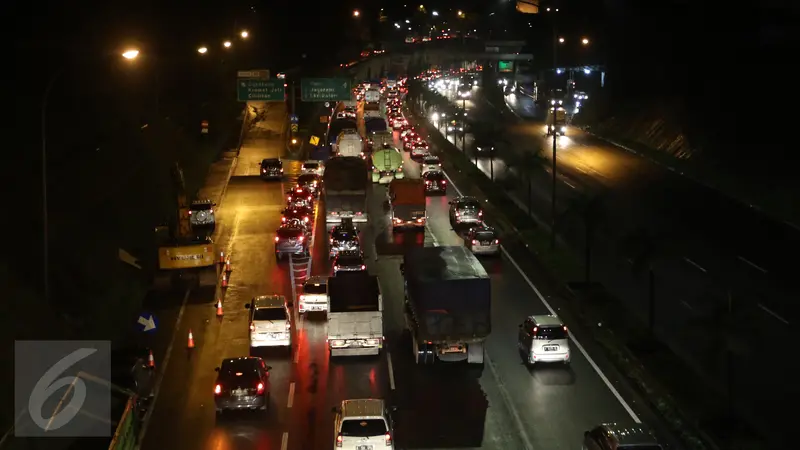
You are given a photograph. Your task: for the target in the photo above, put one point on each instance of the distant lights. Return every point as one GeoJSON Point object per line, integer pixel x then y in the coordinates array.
{"type": "Point", "coordinates": [227, 44]}
{"type": "Point", "coordinates": [202, 50]}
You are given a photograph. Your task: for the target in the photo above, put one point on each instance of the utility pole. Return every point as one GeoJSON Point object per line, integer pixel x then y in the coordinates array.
{"type": "Point", "coordinates": [293, 105]}
{"type": "Point", "coordinates": [553, 190]}
{"type": "Point", "coordinates": [464, 126]}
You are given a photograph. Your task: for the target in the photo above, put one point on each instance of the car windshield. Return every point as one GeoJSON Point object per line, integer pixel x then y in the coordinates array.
{"type": "Point", "coordinates": [289, 233]}
{"type": "Point", "coordinates": [484, 235]}
{"type": "Point", "coordinates": [551, 333]}
{"type": "Point", "coordinates": [363, 427]}
{"type": "Point", "coordinates": [315, 288]}
{"type": "Point", "coordinates": [343, 235]}
{"type": "Point", "coordinates": [269, 314]}
{"type": "Point", "coordinates": [311, 166]}
{"type": "Point", "coordinates": [306, 179]}
{"type": "Point", "coordinates": [469, 204]}
{"type": "Point", "coordinates": [349, 260]}
{"type": "Point", "coordinates": [271, 163]}
{"type": "Point", "coordinates": [431, 160]}
{"type": "Point", "coordinates": [434, 176]}
{"type": "Point", "coordinates": [231, 367]}
{"type": "Point", "coordinates": [201, 206]}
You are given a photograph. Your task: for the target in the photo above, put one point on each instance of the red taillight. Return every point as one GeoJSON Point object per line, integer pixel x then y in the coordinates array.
{"type": "Point", "coordinates": [260, 388]}
{"type": "Point", "coordinates": [252, 327]}
{"type": "Point", "coordinates": [283, 219]}
{"type": "Point", "coordinates": [288, 198]}
{"type": "Point", "coordinates": [535, 330]}
{"type": "Point", "coordinates": [301, 238]}
{"type": "Point", "coordinates": [339, 440]}
{"type": "Point", "coordinates": [363, 267]}
{"type": "Point", "coordinates": [427, 181]}
{"type": "Point", "coordinates": [358, 213]}
{"type": "Point", "coordinates": [336, 267]}
{"type": "Point", "coordinates": [480, 213]}
{"type": "Point", "coordinates": [277, 239]}
{"type": "Point", "coordinates": [497, 242]}
{"type": "Point", "coordinates": [474, 242]}
{"type": "Point", "coordinates": [305, 220]}
{"type": "Point", "coordinates": [444, 181]}
{"type": "Point", "coordinates": [302, 298]}
{"type": "Point", "coordinates": [388, 437]}
{"type": "Point", "coordinates": [218, 389]}
{"type": "Point", "coordinates": [190, 213]}
{"type": "Point", "coordinates": [565, 329]}
{"type": "Point", "coordinates": [308, 198]}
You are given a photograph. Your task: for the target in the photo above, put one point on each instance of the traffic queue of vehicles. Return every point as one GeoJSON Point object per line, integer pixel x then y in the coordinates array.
{"type": "Point", "coordinates": [447, 307]}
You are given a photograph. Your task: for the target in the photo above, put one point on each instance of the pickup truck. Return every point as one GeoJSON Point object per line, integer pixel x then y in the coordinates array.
{"type": "Point", "coordinates": [355, 314]}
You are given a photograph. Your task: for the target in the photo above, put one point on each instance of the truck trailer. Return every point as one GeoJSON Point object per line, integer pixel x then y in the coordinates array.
{"type": "Point", "coordinates": [345, 189]}
{"type": "Point", "coordinates": [448, 299]}
{"type": "Point", "coordinates": [407, 203]}
{"type": "Point", "coordinates": [355, 314]}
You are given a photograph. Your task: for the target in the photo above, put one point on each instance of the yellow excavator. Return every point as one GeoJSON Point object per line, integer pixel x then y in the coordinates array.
{"type": "Point", "coordinates": [185, 259]}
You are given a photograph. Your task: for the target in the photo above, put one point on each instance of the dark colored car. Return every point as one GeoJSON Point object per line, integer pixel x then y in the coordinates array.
{"type": "Point", "coordinates": [272, 169]}
{"type": "Point", "coordinates": [302, 213]}
{"type": "Point", "coordinates": [299, 193]}
{"type": "Point", "coordinates": [435, 182]}
{"type": "Point", "coordinates": [242, 383]}
{"type": "Point", "coordinates": [310, 181]}
{"type": "Point", "coordinates": [349, 261]}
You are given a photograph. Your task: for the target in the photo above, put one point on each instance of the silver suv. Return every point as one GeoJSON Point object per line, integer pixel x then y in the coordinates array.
{"type": "Point", "coordinates": [544, 339]}
{"type": "Point", "coordinates": [465, 210]}
{"type": "Point", "coordinates": [291, 241]}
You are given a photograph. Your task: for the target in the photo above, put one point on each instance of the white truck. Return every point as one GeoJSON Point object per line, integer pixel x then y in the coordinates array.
{"type": "Point", "coordinates": [349, 143]}
{"type": "Point", "coordinates": [355, 314]}
{"type": "Point", "coordinates": [372, 98]}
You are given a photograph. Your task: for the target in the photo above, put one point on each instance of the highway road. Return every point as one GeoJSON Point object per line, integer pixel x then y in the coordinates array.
{"type": "Point", "coordinates": [706, 241]}
{"type": "Point", "coordinates": [502, 406]}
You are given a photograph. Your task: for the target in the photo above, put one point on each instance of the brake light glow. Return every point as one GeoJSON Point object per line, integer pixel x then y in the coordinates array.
{"type": "Point", "coordinates": [339, 440]}
{"type": "Point", "coordinates": [497, 242]}
{"type": "Point", "coordinates": [336, 267]}
{"type": "Point", "coordinates": [388, 437]}
{"type": "Point", "coordinates": [301, 238]}
{"type": "Point", "coordinates": [283, 219]}
{"type": "Point", "coordinates": [363, 267]}
{"type": "Point", "coordinates": [288, 325]}
{"type": "Point", "coordinates": [305, 219]}
{"type": "Point", "coordinates": [277, 239]}
{"type": "Point", "coordinates": [252, 326]}
{"type": "Point", "coordinates": [480, 213]}
{"type": "Point", "coordinates": [428, 182]}
{"type": "Point", "coordinates": [218, 389]}
{"type": "Point", "coordinates": [358, 213]}
{"type": "Point", "coordinates": [190, 213]}
{"type": "Point", "coordinates": [443, 181]}
{"type": "Point", "coordinates": [302, 297]}
{"type": "Point", "coordinates": [260, 388]}
{"type": "Point", "coordinates": [474, 242]}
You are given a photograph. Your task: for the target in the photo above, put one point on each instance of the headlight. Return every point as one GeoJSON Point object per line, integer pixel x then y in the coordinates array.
{"type": "Point", "coordinates": [563, 129]}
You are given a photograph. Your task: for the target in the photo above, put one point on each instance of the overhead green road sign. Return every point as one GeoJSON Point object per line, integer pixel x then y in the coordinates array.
{"type": "Point", "coordinates": [248, 90]}
{"type": "Point", "coordinates": [325, 89]}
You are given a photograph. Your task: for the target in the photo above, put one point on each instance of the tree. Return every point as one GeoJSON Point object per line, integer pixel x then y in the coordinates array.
{"type": "Point", "coordinates": [645, 249]}
{"type": "Point", "coordinates": [589, 209]}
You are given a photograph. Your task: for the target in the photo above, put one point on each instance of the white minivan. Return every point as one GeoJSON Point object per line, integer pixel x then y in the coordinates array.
{"type": "Point", "coordinates": [270, 322]}
{"type": "Point", "coordinates": [544, 339]}
{"type": "Point", "coordinates": [363, 424]}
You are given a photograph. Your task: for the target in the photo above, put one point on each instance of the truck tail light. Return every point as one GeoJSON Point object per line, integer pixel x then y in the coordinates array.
{"type": "Point", "coordinates": [474, 242]}
{"type": "Point", "coordinates": [252, 327]}
{"type": "Point", "coordinates": [363, 267]}
{"type": "Point", "coordinates": [497, 242]}
{"type": "Point", "coordinates": [218, 389]}
{"type": "Point", "coordinates": [301, 238]}
{"type": "Point", "coordinates": [288, 325]}
{"type": "Point", "coordinates": [260, 388]}
{"type": "Point", "coordinates": [339, 440]}
{"type": "Point", "coordinates": [388, 437]}
{"type": "Point", "coordinates": [277, 239]}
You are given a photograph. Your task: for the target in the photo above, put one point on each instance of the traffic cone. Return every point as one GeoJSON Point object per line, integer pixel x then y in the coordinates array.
{"type": "Point", "coordinates": [219, 308]}
{"type": "Point", "coordinates": [190, 344]}
{"type": "Point", "coordinates": [228, 264]}
{"type": "Point", "coordinates": [224, 279]}
{"type": "Point", "coordinates": [151, 361]}
{"type": "Point", "coordinates": [222, 257]}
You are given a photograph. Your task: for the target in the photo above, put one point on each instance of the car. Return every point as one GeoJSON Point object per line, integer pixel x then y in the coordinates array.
{"type": "Point", "coordinates": [201, 216]}
{"type": "Point", "coordinates": [342, 239]}
{"type": "Point", "coordinates": [435, 182]}
{"type": "Point", "coordinates": [315, 295]}
{"type": "Point", "coordinates": [484, 149]}
{"type": "Point", "coordinates": [432, 160]}
{"type": "Point", "coordinates": [301, 212]}
{"type": "Point", "coordinates": [483, 240]}
{"type": "Point", "coordinates": [270, 321]}
{"type": "Point", "coordinates": [310, 181]}
{"type": "Point", "coordinates": [409, 143]}
{"type": "Point", "coordinates": [399, 122]}
{"type": "Point", "coordinates": [543, 339]}
{"type": "Point", "coordinates": [419, 150]}
{"type": "Point", "coordinates": [363, 424]}
{"type": "Point", "coordinates": [313, 167]}
{"type": "Point", "coordinates": [465, 210]}
{"type": "Point", "coordinates": [296, 223]}
{"type": "Point", "coordinates": [292, 241]}
{"type": "Point", "coordinates": [455, 125]}
{"type": "Point", "coordinates": [406, 132]}
{"type": "Point", "coordinates": [299, 193]}
{"type": "Point", "coordinates": [271, 169]}
{"type": "Point", "coordinates": [429, 168]}
{"type": "Point", "coordinates": [617, 436]}
{"type": "Point", "coordinates": [349, 261]}
{"type": "Point", "coordinates": [242, 383]}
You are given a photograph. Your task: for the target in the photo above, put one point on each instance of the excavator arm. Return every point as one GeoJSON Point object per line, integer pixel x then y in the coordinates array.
{"type": "Point", "coordinates": [184, 227]}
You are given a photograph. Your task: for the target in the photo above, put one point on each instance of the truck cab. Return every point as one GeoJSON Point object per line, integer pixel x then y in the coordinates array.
{"type": "Point", "coordinates": [407, 204]}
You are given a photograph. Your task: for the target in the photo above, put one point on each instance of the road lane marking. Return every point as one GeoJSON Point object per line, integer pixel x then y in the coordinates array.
{"type": "Point", "coordinates": [569, 184]}
{"type": "Point", "coordinates": [433, 236]}
{"type": "Point", "coordinates": [285, 440]}
{"type": "Point", "coordinates": [773, 314]}
{"type": "Point", "coordinates": [391, 370]}
{"type": "Point", "coordinates": [507, 399]}
{"type": "Point", "coordinates": [752, 264]}
{"type": "Point", "coordinates": [290, 402]}
{"type": "Point", "coordinates": [552, 311]}
{"type": "Point", "coordinates": [164, 364]}
{"type": "Point", "coordinates": [696, 266]}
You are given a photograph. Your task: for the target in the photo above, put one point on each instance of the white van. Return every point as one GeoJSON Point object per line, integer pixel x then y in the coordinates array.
{"type": "Point", "coordinates": [270, 322]}
{"type": "Point", "coordinates": [544, 339]}
{"type": "Point", "coordinates": [315, 295]}
{"type": "Point", "coordinates": [363, 424]}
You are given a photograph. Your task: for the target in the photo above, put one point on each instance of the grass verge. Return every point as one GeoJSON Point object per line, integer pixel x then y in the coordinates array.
{"type": "Point", "coordinates": [562, 267]}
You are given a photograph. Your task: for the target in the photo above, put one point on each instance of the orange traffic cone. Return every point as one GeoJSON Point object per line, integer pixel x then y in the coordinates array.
{"type": "Point", "coordinates": [222, 257]}
{"type": "Point", "coordinates": [190, 344]}
{"type": "Point", "coordinates": [224, 279]}
{"type": "Point", "coordinates": [151, 361]}
{"type": "Point", "coordinates": [219, 308]}
{"type": "Point", "coordinates": [228, 264]}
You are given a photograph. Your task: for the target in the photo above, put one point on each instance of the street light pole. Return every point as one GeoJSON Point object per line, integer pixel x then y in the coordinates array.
{"type": "Point", "coordinates": [553, 189]}
{"type": "Point", "coordinates": [45, 210]}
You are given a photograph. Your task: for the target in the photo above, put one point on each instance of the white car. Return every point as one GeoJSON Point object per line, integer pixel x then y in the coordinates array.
{"type": "Point", "coordinates": [419, 151]}
{"type": "Point", "coordinates": [543, 339]}
{"type": "Point", "coordinates": [363, 424]}
{"type": "Point", "coordinates": [270, 322]}
{"type": "Point", "coordinates": [432, 160]}
{"type": "Point", "coordinates": [313, 167]}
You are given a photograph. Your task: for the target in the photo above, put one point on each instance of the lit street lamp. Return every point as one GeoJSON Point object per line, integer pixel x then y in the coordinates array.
{"type": "Point", "coordinates": [130, 54]}
{"type": "Point", "coordinates": [244, 34]}
{"type": "Point", "coordinates": [561, 40]}
{"type": "Point", "coordinates": [356, 13]}
{"type": "Point", "coordinates": [585, 41]}
{"type": "Point", "coordinates": [202, 50]}
{"type": "Point", "coordinates": [227, 44]}
{"type": "Point", "coordinates": [461, 14]}
{"type": "Point", "coordinates": [435, 14]}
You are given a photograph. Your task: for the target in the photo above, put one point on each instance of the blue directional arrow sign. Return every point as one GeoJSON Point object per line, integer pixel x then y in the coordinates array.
{"type": "Point", "coordinates": [293, 118]}
{"type": "Point", "coordinates": [147, 322]}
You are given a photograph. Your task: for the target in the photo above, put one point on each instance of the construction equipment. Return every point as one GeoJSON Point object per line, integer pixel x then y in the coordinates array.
{"type": "Point", "coordinates": [184, 256]}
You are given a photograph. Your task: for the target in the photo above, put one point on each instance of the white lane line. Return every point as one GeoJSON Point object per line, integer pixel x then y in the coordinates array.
{"type": "Point", "coordinates": [433, 236]}
{"type": "Point", "coordinates": [164, 364]}
{"type": "Point", "coordinates": [391, 370]}
{"type": "Point", "coordinates": [696, 266]}
{"type": "Point", "coordinates": [687, 305]}
{"type": "Point", "coordinates": [507, 399]}
{"type": "Point", "coordinates": [575, 341]}
{"type": "Point", "coordinates": [773, 314]}
{"type": "Point", "coordinates": [569, 184]}
{"type": "Point", "coordinates": [285, 440]}
{"type": "Point", "coordinates": [752, 264]}
{"type": "Point", "coordinates": [290, 402]}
